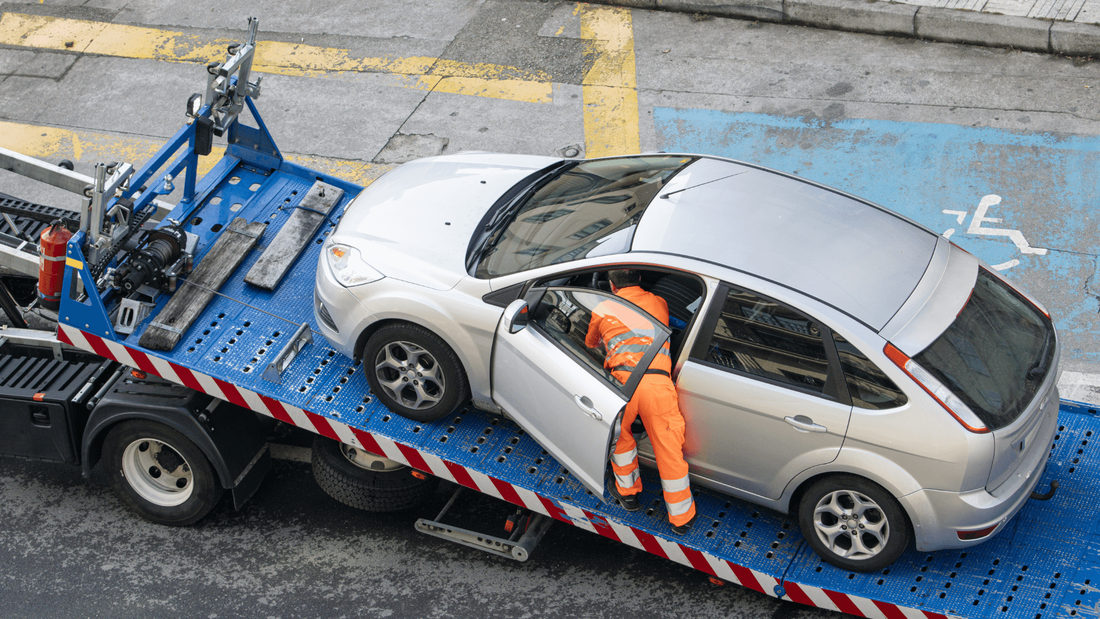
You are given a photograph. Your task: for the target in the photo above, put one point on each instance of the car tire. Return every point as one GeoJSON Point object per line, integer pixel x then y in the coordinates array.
{"type": "Point", "coordinates": [831, 506]}
{"type": "Point", "coordinates": [159, 473]}
{"type": "Point", "coordinates": [364, 481]}
{"type": "Point", "coordinates": [414, 373]}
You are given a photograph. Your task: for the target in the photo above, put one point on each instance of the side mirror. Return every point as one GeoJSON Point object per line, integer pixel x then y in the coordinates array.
{"type": "Point", "coordinates": [516, 316]}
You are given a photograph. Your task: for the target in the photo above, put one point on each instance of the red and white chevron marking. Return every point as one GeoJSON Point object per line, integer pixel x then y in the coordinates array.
{"type": "Point", "coordinates": [474, 480]}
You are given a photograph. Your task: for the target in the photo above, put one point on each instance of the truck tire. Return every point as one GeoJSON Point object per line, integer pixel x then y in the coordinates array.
{"type": "Point", "coordinates": [160, 474]}
{"type": "Point", "coordinates": [368, 482]}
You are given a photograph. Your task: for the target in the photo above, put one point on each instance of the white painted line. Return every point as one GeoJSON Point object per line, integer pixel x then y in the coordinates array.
{"type": "Point", "coordinates": [1079, 387]}
{"type": "Point", "coordinates": [1015, 236]}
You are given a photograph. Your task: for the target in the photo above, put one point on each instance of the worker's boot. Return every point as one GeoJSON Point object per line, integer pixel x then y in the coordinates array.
{"type": "Point", "coordinates": [686, 527]}
{"type": "Point", "coordinates": [629, 502]}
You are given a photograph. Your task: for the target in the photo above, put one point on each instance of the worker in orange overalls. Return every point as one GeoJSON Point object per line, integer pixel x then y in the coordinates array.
{"type": "Point", "coordinates": [654, 399]}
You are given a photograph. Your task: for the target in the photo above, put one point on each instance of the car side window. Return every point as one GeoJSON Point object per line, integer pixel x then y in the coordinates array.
{"type": "Point", "coordinates": [766, 339]}
{"type": "Point", "coordinates": [566, 315]}
{"type": "Point", "coordinates": [868, 385]}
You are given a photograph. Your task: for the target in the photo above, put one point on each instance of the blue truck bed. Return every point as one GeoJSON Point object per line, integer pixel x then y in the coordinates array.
{"type": "Point", "coordinates": [1041, 566]}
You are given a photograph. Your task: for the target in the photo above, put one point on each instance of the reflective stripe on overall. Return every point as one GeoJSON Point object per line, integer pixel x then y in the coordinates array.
{"type": "Point", "coordinates": [656, 401]}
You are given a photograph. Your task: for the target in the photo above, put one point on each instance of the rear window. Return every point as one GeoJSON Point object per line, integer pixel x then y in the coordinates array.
{"type": "Point", "coordinates": [996, 354]}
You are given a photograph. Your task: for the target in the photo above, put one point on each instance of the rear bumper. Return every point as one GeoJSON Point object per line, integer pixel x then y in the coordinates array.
{"type": "Point", "coordinates": [939, 517]}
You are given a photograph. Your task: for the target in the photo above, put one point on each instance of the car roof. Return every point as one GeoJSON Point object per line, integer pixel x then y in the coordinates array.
{"type": "Point", "coordinates": [851, 254]}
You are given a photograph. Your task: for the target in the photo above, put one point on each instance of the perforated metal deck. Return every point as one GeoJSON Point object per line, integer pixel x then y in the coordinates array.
{"type": "Point", "coordinates": [1043, 565]}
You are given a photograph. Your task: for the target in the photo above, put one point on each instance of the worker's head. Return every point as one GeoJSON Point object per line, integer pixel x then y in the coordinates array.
{"type": "Point", "coordinates": [623, 278]}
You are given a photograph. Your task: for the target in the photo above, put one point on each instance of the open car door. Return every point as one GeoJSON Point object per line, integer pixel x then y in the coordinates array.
{"type": "Point", "coordinates": [556, 387]}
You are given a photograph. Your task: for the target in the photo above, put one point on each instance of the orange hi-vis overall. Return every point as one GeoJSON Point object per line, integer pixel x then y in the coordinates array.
{"type": "Point", "coordinates": [654, 399]}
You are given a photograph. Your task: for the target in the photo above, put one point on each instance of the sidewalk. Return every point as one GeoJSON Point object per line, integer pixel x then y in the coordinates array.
{"type": "Point", "coordinates": [1069, 27]}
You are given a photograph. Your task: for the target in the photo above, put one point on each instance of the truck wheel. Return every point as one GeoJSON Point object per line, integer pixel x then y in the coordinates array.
{"type": "Point", "coordinates": [160, 474]}
{"type": "Point", "coordinates": [853, 523]}
{"type": "Point", "coordinates": [364, 481]}
{"type": "Point", "coordinates": [414, 373]}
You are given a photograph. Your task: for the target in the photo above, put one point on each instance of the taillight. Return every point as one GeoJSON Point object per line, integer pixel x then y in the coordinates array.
{"type": "Point", "coordinates": [966, 536]}
{"type": "Point", "coordinates": [948, 400]}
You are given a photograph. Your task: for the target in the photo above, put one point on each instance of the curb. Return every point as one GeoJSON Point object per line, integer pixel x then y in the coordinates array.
{"type": "Point", "coordinates": [896, 19]}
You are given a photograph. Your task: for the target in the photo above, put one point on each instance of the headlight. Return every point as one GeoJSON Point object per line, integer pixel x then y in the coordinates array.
{"type": "Point", "coordinates": [348, 266]}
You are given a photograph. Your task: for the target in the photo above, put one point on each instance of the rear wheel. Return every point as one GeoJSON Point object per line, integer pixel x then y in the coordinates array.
{"type": "Point", "coordinates": [159, 473]}
{"type": "Point", "coordinates": [853, 523]}
{"type": "Point", "coordinates": [414, 373]}
{"type": "Point", "coordinates": [365, 481]}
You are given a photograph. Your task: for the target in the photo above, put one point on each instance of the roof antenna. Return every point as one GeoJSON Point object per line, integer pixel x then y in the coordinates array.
{"type": "Point", "coordinates": [666, 195]}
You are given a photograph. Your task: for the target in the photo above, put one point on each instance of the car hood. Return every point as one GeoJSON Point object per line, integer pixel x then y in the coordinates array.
{"type": "Point", "coordinates": [414, 224]}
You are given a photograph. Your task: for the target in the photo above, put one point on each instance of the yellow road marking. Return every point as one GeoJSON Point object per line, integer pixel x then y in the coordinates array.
{"type": "Point", "coordinates": [53, 143]}
{"type": "Point", "coordinates": [91, 37]}
{"type": "Point", "coordinates": [610, 88]}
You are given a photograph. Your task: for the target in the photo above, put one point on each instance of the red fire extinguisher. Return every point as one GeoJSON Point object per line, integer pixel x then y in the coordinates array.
{"type": "Point", "coordinates": [51, 264]}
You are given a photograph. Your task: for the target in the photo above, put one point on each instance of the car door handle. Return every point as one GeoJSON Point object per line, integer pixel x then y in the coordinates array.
{"type": "Point", "coordinates": [586, 405]}
{"type": "Point", "coordinates": [803, 423]}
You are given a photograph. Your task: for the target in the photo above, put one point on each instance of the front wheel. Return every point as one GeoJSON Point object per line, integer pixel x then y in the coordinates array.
{"type": "Point", "coordinates": [853, 523]}
{"type": "Point", "coordinates": [160, 474]}
{"type": "Point", "coordinates": [414, 373]}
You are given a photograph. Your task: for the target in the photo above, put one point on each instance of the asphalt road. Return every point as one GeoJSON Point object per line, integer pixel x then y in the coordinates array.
{"type": "Point", "coordinates": [358, 87]}
{"type": "Point", "coordinates": [69, 549]}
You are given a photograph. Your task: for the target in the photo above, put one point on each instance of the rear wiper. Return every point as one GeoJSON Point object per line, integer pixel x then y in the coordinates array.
{"type": "Point", "coordinates": [1041, 366]}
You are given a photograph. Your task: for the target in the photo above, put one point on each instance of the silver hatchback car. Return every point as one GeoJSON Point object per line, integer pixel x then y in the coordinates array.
{"type": "Point", "coordinates": [833, 359]}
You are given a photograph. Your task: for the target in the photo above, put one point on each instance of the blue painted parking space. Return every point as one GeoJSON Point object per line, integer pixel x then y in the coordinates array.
{"type": "Point", "coordinates": [1023, 202]}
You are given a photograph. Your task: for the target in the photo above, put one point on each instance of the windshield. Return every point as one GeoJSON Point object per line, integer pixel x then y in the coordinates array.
{"type": "Point", "coordinates": [996, 354]}
{"type": "Point", "coordinates": [589, 209]}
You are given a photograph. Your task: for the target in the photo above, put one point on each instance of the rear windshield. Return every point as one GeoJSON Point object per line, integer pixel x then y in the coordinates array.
{"type": "Point", "coordinates": [996, 354]}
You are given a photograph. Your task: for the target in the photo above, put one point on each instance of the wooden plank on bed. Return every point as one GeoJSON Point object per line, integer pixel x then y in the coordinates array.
{"type": "Point", "coordinates": [296, 233]}
{"type": "Point", "coordinates": [189, 301]}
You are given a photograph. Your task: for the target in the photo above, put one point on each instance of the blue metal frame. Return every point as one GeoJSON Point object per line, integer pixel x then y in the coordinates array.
{"type": "Point", "coordinates": [1044, 564]}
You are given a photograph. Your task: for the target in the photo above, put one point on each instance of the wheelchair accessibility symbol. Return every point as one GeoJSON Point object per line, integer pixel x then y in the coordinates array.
{"type": "Point", "coordinates": [977, 227]}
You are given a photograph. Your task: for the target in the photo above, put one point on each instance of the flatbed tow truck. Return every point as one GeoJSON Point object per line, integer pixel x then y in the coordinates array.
{"type": "Point", "coordinates": [1045, 564]}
